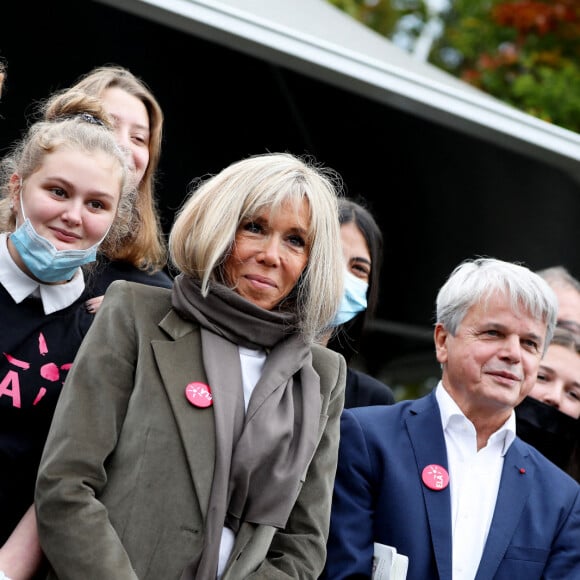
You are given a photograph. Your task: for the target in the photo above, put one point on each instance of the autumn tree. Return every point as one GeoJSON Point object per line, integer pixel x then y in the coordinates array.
{"type": "Point", "coordinates": [376, 14]}
{"type": "Point", "coordinates": [524, 52]}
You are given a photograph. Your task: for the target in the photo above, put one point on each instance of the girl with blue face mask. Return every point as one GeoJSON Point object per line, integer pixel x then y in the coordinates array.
{"type": "Point", "coordinates": [65, 193]}
{"type": "Point", "coordinates": [69, 221]}
{"type": "Point", "coordinates": [362, 243]}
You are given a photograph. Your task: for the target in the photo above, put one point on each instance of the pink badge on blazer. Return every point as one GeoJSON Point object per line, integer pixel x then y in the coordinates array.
{"type": "Point", "coordinates": [435, 477]}
{"type": "Point", "coordinates": [199, 395]}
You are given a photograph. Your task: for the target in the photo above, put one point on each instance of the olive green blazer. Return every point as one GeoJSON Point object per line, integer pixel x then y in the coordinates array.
{"type": "Point", "coordinates": [126, 474]}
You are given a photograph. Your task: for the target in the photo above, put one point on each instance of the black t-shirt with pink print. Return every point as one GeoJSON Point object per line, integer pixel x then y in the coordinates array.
{"type": "Point", "coordinates": [37, 351]}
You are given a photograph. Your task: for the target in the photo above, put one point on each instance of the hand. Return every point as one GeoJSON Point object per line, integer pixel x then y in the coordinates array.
{"type": "Point", "coordinates": [21, 555]}
{"type": "Point", "coordinates": [92, 305]}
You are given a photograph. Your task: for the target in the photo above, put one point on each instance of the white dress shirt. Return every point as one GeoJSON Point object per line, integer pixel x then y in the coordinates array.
{"type": "Point", "coordinates": [474, 478]}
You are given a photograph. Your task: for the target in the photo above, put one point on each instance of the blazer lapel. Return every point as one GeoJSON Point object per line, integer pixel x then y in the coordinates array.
{"type": "Point", "coordinates": [514, 488]}
{"type": "Point", "coordinates": [426, 434]}
{"type": "Point", "coordinates": [195, 424]}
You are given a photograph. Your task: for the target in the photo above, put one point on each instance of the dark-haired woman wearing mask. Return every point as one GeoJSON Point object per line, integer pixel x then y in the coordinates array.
{"type": "Point", "coordinates": [362, 244]}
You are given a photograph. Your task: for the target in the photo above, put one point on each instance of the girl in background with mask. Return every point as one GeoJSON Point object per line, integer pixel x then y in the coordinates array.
{"type": "Point", "coordinates": [66, 192]}
{"type": "Point", "coordinates": [549, 417]}
{"type": "Point", "coordinates": [362, 246]}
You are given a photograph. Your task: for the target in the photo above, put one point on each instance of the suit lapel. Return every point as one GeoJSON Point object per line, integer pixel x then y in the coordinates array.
{"type": "Point", "coordinates": [195, 425]}
{"type": "Point", "coordinates": [514, 488]}
{"type": "Point", "coordinates": [425, 432]}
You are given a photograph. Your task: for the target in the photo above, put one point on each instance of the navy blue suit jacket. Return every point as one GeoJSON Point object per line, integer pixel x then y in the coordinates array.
{"type": "Point", "coordinates": [379, 497]}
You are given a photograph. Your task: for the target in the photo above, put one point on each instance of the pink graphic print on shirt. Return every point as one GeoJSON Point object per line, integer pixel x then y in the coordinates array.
{"type": "Point", "coordinates": [10, 384]}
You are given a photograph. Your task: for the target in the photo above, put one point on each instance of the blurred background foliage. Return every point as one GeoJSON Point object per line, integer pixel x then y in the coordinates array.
{"type": "Point", "coordinates": [524, 52]}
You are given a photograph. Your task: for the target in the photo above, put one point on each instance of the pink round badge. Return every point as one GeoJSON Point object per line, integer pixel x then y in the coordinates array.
{"type": "Point", "coordinates": [435, 477]}
{"type": "Point", "coordinates": [199, 394]}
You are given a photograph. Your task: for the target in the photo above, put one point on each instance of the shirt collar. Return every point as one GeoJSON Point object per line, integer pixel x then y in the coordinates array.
{"type": "Point", "coordinates": [450, 409]}
{"type": "Point", "coordinates": [20, 286]}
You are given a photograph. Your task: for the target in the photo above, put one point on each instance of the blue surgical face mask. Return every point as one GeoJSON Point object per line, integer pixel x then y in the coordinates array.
{"type": "Point", "coordinates": [42, 258]}
{"type": "Point", "coordinates": [354, 299]}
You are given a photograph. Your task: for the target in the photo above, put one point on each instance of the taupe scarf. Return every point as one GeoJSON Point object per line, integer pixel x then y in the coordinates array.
{"type": "Point", "coordinates": [263, 455]}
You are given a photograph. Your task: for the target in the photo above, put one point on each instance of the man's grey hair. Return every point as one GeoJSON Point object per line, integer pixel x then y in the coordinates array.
{"type": "Point", "coordinates": [477, 280]}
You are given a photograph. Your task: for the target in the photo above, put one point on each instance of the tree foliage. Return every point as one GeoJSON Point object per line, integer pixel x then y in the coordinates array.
{"type": "Point", "coordinates": [376, 14]}
{"type": "Point", "coordinates": [524, 52]}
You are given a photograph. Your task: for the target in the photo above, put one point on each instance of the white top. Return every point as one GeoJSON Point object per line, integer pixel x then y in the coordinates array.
{"type": "Point", "coordinates": [474, 478]}
{"type": "Point", "coordinates": [252, 363]}
{"type": "Point", "coordinates": [20, 286]}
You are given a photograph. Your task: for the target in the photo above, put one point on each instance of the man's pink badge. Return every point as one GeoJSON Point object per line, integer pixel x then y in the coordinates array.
{"type": "Point", "coordinates": [435, 477]}
{"type": "Point", "coordinates": [199, 394]}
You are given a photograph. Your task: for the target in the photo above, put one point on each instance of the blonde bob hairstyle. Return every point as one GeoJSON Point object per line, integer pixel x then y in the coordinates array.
{"type": "Point", "coordinates": [204, 231]}
{"type": "Point", "coordinates": [80, 124]}
{"type": "Point", "coordinates": [144, 244]}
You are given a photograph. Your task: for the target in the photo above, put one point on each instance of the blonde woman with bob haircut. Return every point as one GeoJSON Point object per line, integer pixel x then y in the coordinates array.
{"type": "Point", "coordinates": [205, 228]}
{"type": "Point", "coordinates": [214, 414]}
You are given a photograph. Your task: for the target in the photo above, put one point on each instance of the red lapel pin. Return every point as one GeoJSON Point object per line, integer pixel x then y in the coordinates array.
{"type": "Point", "coordinates": [435, 477]}
{"type": "Point", "coordinates": [199, 394]}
